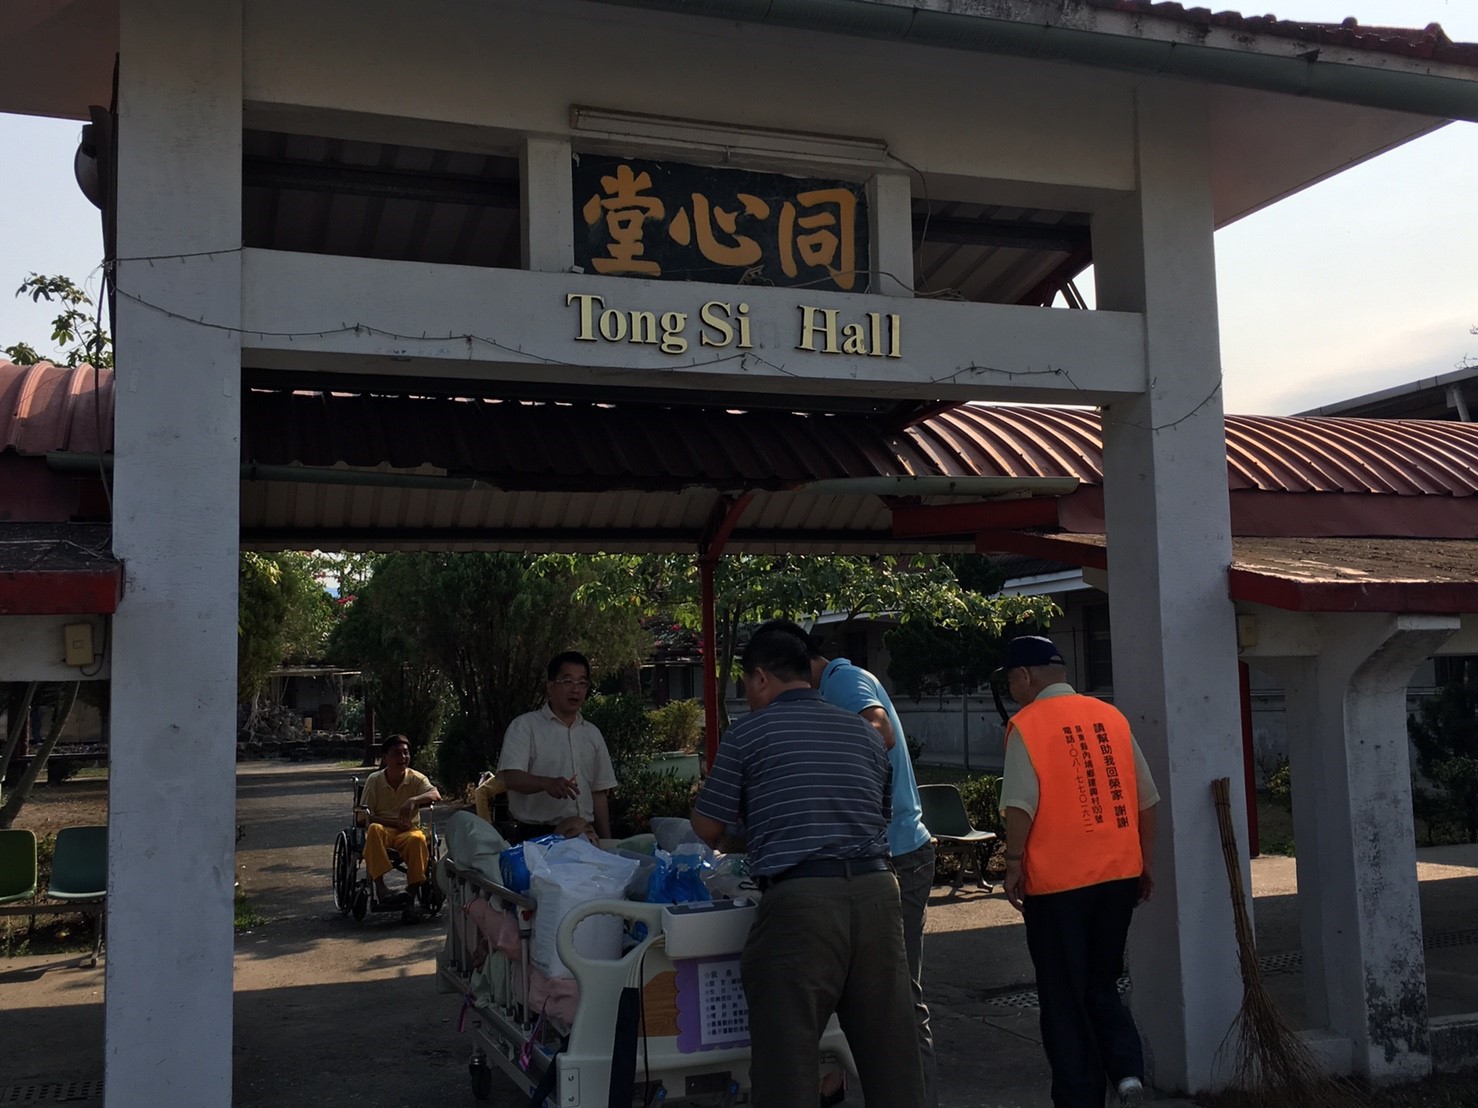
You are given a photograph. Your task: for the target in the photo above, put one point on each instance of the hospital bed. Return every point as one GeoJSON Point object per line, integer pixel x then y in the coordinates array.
{"type": "Point", "coordinates": [666, 1020]}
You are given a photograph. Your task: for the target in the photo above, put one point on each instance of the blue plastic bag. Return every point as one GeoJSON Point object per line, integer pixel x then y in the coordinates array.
{"type": "Point", "coordinates": [678, 878]}
{"type": "Point", "coordinates": [514, 869]}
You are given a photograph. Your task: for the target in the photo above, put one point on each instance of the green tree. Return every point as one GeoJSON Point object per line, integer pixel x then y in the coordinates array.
{"type": "Point", "coordinates": [283, 613]}
{"type": "Point", "coordinates": [488, 624]}
{"type": "Point", "coordinates": [65, 695]}
{"type": "Point", "coordinates": [407, 692]}
{"type": "Point", "coordinates": [751, 588]}
{"type": "Point", "coordinates": [75, 330]}
{"type": "Point", "coordinates": [1445, 733]}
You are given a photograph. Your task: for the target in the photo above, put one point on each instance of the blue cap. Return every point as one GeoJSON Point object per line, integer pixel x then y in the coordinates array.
{"type": "Point", "coordinates": [1032, 650]}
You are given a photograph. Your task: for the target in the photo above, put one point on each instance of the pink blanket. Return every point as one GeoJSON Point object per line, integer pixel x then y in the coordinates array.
{"type": "Point", "coordinates": [556, 996]}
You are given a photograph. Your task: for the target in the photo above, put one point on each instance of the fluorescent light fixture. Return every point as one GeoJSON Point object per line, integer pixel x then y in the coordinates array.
{"type": "Point", "coordinates": [727, 138]}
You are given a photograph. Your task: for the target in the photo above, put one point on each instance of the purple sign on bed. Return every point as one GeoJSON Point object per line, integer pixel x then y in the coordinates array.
{"type": "Point", "coordinates": [711, 1010]}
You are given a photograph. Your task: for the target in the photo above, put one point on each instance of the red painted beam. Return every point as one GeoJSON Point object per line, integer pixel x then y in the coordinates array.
{"type": "Point", "coordinates": [1249, 771]}
{"type": "Point", "coordinates": [1426, 597]}
{"type": "Point", "coordinates": [711, 548]}
{"type": "Point", "coordinates": [923, 521]}
{"type": "Point", "coordinates": [61, 592]}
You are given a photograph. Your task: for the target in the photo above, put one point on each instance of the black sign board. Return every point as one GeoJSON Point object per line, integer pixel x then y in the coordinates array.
{"type": "Point", "coordinates": [676, 222]}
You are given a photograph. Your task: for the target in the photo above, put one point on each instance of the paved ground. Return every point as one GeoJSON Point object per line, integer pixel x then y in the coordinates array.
{"type": "Point", "coordinates": [306, 980]}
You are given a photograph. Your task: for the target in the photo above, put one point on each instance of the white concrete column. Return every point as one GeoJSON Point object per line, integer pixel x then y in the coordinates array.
{"type": "Point", "coordinates": [1311, 807]}
{"type": "Point", "coordinates": [172, 805]}
{"type": "Point", "coordinates": [890, 228]}
{"type": "Point", "coordinates": [1169, 545]}
{"type": "Point", "coordinates": [1360, 914]}
{"type": "Point", "coordinates": [548, 208]}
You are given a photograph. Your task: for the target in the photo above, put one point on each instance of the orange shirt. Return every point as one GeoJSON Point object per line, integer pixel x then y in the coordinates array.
{"type": "Point", "coordinates": [1086, 829]}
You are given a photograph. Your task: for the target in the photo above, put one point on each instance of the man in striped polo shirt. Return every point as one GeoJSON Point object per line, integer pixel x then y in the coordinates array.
{"type": "Point", "coordinates": [854, 689]}
{"type": "Point", "coordinates": [810, 785]}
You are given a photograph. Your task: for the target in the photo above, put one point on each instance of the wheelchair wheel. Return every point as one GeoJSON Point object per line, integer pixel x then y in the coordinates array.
{"type": "Point", "coordinates": [432, 898]}
{"type": "Point", "coordinates": [343, 873]}
{"type": "Point", "coordinates": [360, 904]}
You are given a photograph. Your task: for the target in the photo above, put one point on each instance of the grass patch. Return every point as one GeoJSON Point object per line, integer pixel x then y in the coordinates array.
{"type": "Point", "coordinates": [246, 916]}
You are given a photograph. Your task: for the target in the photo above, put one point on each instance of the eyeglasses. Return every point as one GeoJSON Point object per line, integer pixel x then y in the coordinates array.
{"type": "Point", "coordinates": [572, 683]}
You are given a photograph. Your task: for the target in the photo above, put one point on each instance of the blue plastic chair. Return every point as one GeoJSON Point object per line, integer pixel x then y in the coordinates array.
{"type": "Point", "coordinates": [79, 873]}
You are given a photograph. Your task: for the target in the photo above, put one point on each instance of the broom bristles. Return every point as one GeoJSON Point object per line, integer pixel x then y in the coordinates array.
{"type": "Point", "coordinates": [1268, 1058]}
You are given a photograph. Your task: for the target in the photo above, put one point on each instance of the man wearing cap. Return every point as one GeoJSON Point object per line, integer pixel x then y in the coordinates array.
{"type": "Point", "coordinates": [811, 785]}
{"type": "Point", "coordinates": [854, 689]}
{"type": "Point", "coordinates": [1079, 805]}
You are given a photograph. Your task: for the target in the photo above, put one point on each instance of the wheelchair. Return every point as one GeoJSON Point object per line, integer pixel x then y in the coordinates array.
{"type": "Point", "coordinates": [354, 892]}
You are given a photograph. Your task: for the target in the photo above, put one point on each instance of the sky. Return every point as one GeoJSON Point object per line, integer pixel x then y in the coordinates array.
{"type": "Point", "coordinates": [1363, 282]}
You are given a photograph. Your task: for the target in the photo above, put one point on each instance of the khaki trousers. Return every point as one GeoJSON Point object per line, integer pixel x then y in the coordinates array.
{"type": "Point", "coordinates": [821, 945]}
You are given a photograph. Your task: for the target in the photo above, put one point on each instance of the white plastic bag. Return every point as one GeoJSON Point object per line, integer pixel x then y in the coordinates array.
{"type": "Point", "coordinates": [563, 876]}
{"type": "Point", "coordinates": [672, 832]}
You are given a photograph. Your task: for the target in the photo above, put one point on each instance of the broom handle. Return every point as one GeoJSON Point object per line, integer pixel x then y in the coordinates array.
{"type": "Point", "coordinates": [1221, 791]}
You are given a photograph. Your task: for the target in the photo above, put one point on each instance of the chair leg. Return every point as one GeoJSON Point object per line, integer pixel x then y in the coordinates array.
{"type": "Point", "coordinates": [97, 937]}
{"type": "Point", "coordinates": [959, 871]}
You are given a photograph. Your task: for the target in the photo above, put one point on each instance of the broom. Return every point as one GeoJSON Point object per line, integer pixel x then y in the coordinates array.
{"type": "Point", "coordinates": [1270, 1063]}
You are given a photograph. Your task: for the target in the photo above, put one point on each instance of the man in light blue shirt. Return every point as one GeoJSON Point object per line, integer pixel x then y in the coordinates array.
{"type": "Point", "coordinates": [854, 689]}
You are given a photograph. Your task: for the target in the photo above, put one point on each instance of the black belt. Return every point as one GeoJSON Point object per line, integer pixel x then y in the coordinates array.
{"type": "Point", "coordinates": [827, 867]}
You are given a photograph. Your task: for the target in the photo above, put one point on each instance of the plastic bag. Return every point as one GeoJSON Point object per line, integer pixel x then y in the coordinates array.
{"type": "Point", "coordinates": [674, 833]}
{"type": "Point", "coordinates": [513, 863]}
{"type": "Point", "coordinates": [563, 875]}
{"type": "Point", "coordinates": [678, 878]}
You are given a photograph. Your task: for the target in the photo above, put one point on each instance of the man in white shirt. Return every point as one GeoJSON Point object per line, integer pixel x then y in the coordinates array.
{"type": "Point", "coordinates": [554, 761]}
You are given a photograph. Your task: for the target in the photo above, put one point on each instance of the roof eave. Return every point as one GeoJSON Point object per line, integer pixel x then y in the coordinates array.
{"type": "Point", "coordinates": [1126, 41]}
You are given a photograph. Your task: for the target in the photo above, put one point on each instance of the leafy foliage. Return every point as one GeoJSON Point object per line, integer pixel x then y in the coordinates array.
{"type": "Point", "coordinates": [645, 793]}
{"type": "Point", "coordinates": [477, 629]}
{"type": "Point", "coordinates": [409, 694]}
{"type": "Point", "coordinates": [678, 725]}
{"type": "Point", "coordinates": [1445, 732]}
{"type": "Point", "coordinates": [1280, 784]}
{"type": "Point", "coordinates": [73, 325]}
{"type": "Point", "coordinates": [283, 613]}
{"type": "Point", "coordinates": [627, 727]}
{"type": "Point", "coordinates": [982, 797]}
{"type": "Point", "coordinates": [751, 588]}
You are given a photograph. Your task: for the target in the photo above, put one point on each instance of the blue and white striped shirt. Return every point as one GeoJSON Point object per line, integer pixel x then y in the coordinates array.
{"type": "Point", "coordinates": [807, 780]}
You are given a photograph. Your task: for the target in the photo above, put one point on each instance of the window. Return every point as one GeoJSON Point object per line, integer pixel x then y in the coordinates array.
{"type": "Point", "coordinates": [1098, 657]}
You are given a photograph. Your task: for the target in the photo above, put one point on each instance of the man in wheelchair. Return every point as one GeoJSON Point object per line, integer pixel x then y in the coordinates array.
{"type": "Point", "coordinates": [392, 803]}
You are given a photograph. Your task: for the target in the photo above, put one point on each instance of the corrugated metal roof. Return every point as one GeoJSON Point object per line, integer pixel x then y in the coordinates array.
{"type": "Point", "coordinates": [1429, 42]}
{"type": "Point", "coordinates": [397, 472]}
{"type": "Point", "coordinates": [45, 407]}
{"type": "Point", "coordinates": [571, 447]}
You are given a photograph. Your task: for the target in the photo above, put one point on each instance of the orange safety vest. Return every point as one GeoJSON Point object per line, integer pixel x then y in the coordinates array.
{"type": "Point", "coordinates": [1086, 830]}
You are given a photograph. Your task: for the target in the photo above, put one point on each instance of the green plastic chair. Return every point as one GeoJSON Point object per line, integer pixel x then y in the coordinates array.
{"type": "Point", "coordinates": [17, 865]}
{"type": "Point", "coordinates": [79, 873]}
{"type": "Point", "coordinates": [947, 821]}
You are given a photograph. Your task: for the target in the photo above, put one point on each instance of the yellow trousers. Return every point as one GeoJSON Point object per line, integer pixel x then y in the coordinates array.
{"type": "Point", "coordinates": [411, 845]}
